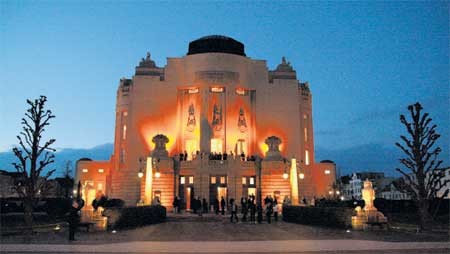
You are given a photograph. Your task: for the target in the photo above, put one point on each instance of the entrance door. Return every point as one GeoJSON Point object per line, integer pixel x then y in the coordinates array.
{"type": "Point", "coordinates": [251, 191]}
{"type": "Point", "coordinates": [187, 197]}
{"type": "Point", "coordinates": [222, 192]}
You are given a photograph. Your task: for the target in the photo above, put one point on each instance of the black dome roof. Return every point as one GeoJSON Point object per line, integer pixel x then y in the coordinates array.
{"type": "Point", "coordinates": [216, 44]}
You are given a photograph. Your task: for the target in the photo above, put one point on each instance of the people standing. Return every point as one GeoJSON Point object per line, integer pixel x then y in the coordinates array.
{"type": "Point", "coordinates": [205, 205]}
{"type": "Point", "coordinates": [216, 206]}
{"type": "Point", "coordinates": [222, 205]}
{"type": "Point", "coordinates": [244, 208]}
{"type": "Point", "coordinates": [275, 209]}
{"type": "Point", "coordinates": [234, 208]}
{"type": "Point", "coordinates": [252, 207]}
{"type": "Point", "coordinates": [74, 216]}
{"type": "Point", "coordinates": [199, 206]}
{"type": "Point", "coordinates": [269, 211]}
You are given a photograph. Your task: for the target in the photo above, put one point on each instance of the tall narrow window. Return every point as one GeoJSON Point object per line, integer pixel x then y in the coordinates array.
{"type": "Point", "coordinates": [122, 155]}
{"type": "Point", "coordinates": [305, 130]}
{"type": "Point", "coordinates": [306, 157]}
{"type": "Point", "coordinates": [124, 132]}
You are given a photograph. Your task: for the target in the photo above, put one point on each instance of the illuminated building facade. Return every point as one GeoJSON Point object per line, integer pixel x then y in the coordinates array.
{"type": "Point", "coordinates": [243, 127]}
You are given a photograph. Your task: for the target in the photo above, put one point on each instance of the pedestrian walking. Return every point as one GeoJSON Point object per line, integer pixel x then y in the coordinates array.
{"type": "Point", "coordinates": [244, 208]}
{"type": "Point", "coordinates": [205, 205]}
{"type": "Point", "coordinates": [234, 209]}
{"type": "Point", "coordinates": [222, 205]}
{"type": "Point", "coordinates": [275, 210]}
{"type": "Point", "coordinates": [74, 216]}
{"type": "Point", "coordinates": [269, 211]}
{"type": "Point", "coordinates": [216, 206]}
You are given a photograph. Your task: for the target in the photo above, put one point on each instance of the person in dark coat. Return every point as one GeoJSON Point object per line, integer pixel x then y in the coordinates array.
{"type": "Point", "coordinates": [252, 207]}
{"type": "Point", "coordinates": [260, 213]}
{"type": "Point", "coordinates": [205, 205]}
{"type": "Point", "coordinates": [74, 216]}
{"type": "Point", "coordinates": [216, 206]}
{"type": "Point", "coordinates": [244, 208]}
{"type": "Point", "coordinates": [222, 205]}
{"type": "Point", "coordinates": [269, 211]}
{"type": "Point", "coordinates": [234, 209]}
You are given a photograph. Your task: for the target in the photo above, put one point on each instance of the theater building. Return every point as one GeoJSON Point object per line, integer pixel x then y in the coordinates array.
{"type": "Point", "coordinates": [209, 124]}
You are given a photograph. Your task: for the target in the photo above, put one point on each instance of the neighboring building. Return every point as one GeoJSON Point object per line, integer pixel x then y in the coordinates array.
{"type": "Point", "coordinates": [197, 127]}
{"type": "Point", "coordinates": [445, 191]}
{"type": "Point", "coordinates": [392, 192]}
{"type": "Point", "coordinates": [351, 186]}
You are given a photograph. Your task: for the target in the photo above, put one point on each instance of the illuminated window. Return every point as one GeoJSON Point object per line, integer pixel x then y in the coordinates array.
{"type": "Point", "coordinates": [305, 130]}
{"type": "Point", "coordinates": [240, 91]}
{"type": "Point", "coordinates": [122, 155]}
{"type": "Point", "coordinates": [191, 180]}
{"type": "Point", "coordinates": [124, 113]}
{"type": "Point", "coordinates": [191, 147]}
{"type": "Point", "coordinates": [216, 145]}
{"type": "Point", "coordinates": [301, 176]}
{"type": "Point", "coordinates": [327, 172]}
{"type": "Point", "coordinates": [222, 179]}
{"type": "Point", "coordinates": [252, 180]}
{"type": "Point", "coordinates": [85, 170]}
{"type": "Point", "coordinates": [193, 90]}
{"type": "Point", "coordinates": [101, 170]}
{"type": "Point", "coordinates": [244, 180]}
{"type": "Point", "coordinates": [213, 180]}
{"type": "Point", "coordinates": [217, 89]}
{"type": "Point", "coordinates": [306, 157]}
{"type": "Point", "coordinates": [100, 186]}
{"type": "Point", "coordinates": [305, 116]}
{"type": "Point", "coordinates": [124, 132]}
{"type": "Point", "coordinates": [182, 180]}
{"type": "Point", "coordinates": [241, 147]}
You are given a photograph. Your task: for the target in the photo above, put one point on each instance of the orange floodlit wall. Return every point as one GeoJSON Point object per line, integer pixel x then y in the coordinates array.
{"type": "Point", "coordinates": [224, 102]}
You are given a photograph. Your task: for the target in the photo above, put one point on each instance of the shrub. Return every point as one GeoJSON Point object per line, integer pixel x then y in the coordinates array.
{"type": "Point", "coordinates": [114, 202]}
{"type": "Point", "coordinates": [338, 217]}
{"type": "Point", "coordinates": [134, 216]}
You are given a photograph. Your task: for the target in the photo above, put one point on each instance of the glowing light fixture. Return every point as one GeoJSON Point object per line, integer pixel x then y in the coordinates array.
{"type": "Point", "coordinates": [327, 172]}
{"type": "Point", "coordinates": [193, 90]}
{"type": "Point", "coordinates": [240, 91]}
{"type": "Point", "coordinates": [330, 192]}
{"type": "Point", "coordinates": [342, 198]}
{"type": "Point", "coordinates": [338, 192]}
{"type": "Point", "coordinates": [285, 175]}
{"type": "Point", "coordinates": [101, 170]}
{"type": "Point", "coordinates": [217, 89]}
{"type": "Point", "coordinates": [140, 174]}
{"type": "Point", "coordinates": [157, 174]}
{"type": "Point", "coordinates": [85, 170]}
{"type": "Point", "coordinates": [301, 176]}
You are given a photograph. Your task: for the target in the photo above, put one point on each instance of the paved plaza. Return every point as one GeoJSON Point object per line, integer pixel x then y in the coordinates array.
{"type": "Point", "coordinates": [215, 234]}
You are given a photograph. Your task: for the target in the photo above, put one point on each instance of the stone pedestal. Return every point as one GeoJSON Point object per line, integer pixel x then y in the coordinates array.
{"type": "Point", "coordinates": [369, 216]}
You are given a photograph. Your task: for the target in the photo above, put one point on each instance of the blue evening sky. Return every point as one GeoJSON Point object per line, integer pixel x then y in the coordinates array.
{"type": "Point", "coordinates": [365, 61]}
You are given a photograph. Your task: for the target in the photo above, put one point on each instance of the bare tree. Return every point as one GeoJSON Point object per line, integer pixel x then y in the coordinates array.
{"type": "Point", "coordinates": [34, 156]}
{"type": "Point", "coordinates": [68, 180]}
{"type": "Point", "coordinates": [424, 179]}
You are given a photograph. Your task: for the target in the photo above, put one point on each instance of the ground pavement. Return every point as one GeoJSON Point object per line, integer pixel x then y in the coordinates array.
{"type": "Point", "coordinates": [188, 233]}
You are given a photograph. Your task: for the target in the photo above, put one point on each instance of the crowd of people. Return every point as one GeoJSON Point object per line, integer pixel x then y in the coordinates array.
{"type": "Point", "coordinates": [184, 156]}
{"type": "Point", "coordinates": [249, 210]}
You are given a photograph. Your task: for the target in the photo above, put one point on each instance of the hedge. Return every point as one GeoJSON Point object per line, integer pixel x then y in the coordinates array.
{"type": "Point", "coordinates": [134, 216]}
{"type": "Point", "coordinates": [337, 217]}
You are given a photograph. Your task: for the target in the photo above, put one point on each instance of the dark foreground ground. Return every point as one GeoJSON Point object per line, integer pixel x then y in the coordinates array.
{"type": "Point", "coordinates": [188, 227]}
